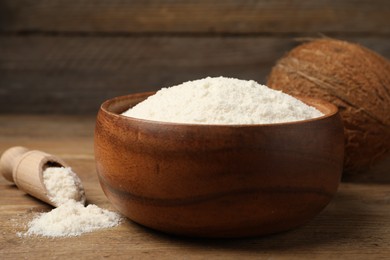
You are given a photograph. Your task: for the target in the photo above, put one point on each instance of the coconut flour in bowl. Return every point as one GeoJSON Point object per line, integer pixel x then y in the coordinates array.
{"type": "Point", "coordinates": [221, 100]}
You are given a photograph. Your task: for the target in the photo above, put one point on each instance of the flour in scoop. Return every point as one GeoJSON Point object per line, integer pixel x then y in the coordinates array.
{"type": "Point", "coordinates": [221, 100]}
{"type": "Point", "coordinates": [71, 217]}
{"type": "Point", "coordinates": [62, 185]}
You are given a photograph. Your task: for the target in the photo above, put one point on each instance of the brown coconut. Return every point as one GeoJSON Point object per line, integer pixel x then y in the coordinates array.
{"type": "Point", "coordinates": [355, 79]}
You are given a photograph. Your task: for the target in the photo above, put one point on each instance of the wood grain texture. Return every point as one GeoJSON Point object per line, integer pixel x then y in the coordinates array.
{"type": "Point", "coordinates": [76, 74]}
{"type": "Point", "coordinates": [203, 16]}
{"type": "Point", "coordinates": [68, 56]}
{"type": "Point", "coordinates": [354, 225]}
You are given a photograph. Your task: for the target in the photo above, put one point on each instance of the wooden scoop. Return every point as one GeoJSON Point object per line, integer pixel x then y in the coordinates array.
{"type": "Point", "coordinates": [25, 167]}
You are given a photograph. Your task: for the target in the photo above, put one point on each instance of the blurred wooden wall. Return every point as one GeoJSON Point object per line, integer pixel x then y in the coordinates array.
{"type": "Point", "coordinates": [67, 56]}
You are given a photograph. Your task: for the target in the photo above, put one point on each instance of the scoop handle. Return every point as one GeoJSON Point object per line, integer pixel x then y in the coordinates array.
{"type": "Point", "coordinates": [9, 159]}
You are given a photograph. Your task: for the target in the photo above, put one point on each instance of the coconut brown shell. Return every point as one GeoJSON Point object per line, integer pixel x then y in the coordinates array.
{"type": "Point", "coordinates": [355, 79]}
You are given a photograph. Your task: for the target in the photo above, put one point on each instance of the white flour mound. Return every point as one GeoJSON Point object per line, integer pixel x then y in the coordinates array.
{"type": "Point", "coordinates": [62, 185]}
{"type": "Point", "coordinates": [222, 100]}
{"type": "Point", "coordinates": [71, 217]}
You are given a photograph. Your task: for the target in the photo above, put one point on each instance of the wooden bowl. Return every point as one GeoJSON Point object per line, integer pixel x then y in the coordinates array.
{"type": "Point", "coordinates": [218, 180]}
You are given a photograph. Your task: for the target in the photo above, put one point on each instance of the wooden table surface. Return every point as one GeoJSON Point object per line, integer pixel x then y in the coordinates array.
{"type": "Point", "coordinates": [355, 225]}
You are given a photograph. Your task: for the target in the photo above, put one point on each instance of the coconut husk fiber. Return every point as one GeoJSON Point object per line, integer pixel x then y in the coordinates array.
{"type": "Point", "coordinates": [355, 79]}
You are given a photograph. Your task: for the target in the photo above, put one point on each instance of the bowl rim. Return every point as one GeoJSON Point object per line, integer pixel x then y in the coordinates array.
{"type": "Point", "coordinates": [104, 107]}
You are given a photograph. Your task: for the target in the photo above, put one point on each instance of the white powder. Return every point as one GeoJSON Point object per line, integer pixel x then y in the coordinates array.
{"type": "Point", "coordinates": [222, 101]}
{"type": "Point", "coordinates": [62, 185]}
{"type": "Point", "coordinates": [71, 217]}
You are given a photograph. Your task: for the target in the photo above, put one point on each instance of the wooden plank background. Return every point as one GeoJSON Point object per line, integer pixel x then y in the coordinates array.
{"type": "Point", "coordinates": [65, 56]}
